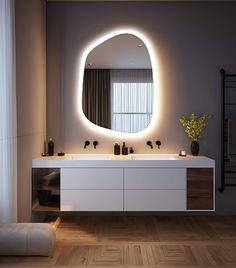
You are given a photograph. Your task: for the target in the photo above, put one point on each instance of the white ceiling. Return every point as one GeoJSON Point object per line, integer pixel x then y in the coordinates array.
{"type": "Point", "coordinates": [120, 52]}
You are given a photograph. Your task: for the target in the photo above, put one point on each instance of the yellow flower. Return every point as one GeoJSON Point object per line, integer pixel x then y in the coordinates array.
{"type": "Point", "coordinates": [195, 125]}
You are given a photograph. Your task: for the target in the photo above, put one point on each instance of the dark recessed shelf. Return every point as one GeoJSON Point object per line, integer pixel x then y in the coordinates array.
{"type": "Point", "coordinates": [38, 208]}
{"type": "Point", "coordinates": [45, 189]}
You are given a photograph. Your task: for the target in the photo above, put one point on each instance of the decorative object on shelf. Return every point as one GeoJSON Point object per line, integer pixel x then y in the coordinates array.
{"type": "Point", "coordinates": [116, 149]}
{"type": "Point", "coordinates": [50, 147]}
{"type": "Point", "coordinates": [124, 149]}
{"type": "Point", "coordinates": [194, 148]}
{"type": "Point", "coordinates": [194, 127]}
{"type": "Point", "coordinates": [182, 153]}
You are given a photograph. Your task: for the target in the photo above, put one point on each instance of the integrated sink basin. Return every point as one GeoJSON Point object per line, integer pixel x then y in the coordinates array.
{"type": "Point", "coordinates": [122, 157]}
{"type": "Point", "coordinates": [153, 157]}
{"type": "Point", "coordinates": [91, 157]}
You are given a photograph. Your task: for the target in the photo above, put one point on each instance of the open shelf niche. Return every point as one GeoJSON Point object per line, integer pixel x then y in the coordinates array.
{"type": "Point", "coordinates": [45, 189]}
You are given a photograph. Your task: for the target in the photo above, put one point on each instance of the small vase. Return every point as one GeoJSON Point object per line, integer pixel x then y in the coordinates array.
{"type": "Point", "coordinates": [194, 148]}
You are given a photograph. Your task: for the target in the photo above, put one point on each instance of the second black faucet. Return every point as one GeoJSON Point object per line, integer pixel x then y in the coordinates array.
{"type": "Point", "coordinates": [158, 143]}
{"type": "Point", "coordinates": [87, 143]}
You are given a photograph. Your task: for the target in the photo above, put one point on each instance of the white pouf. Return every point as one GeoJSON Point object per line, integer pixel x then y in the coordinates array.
{"type": "Point", "coordinates": [27, 239]}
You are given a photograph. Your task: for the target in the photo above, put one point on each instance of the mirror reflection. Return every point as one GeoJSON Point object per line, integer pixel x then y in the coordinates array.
{"type": "Point", "coordinates": [118, 85]}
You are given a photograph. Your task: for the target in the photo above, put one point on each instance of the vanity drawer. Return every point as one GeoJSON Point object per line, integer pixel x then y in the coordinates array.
{"type": "Point", "coordinates": [155, 178]}
{"type": "Point", "coordinates": [154, 200]}
{"type": "Point", "coordinates": [92, 200]}
{"type": "Point", "coordinates": [91, 178]}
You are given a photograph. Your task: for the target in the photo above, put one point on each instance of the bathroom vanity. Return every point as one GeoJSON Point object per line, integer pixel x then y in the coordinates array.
{"type": "Point", "coordinates": [132, 183]}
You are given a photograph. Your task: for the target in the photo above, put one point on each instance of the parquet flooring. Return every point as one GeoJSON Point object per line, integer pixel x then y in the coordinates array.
{"type": "Point", "coordinates": [139, 241]}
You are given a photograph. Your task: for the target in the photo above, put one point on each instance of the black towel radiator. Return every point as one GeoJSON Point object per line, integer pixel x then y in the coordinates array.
{"type": "Point", "coordinates": [228, 130]}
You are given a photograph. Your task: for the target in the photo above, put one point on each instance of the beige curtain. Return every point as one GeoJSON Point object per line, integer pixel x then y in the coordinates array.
{"type": "Point", "coordinates": [8, 135]}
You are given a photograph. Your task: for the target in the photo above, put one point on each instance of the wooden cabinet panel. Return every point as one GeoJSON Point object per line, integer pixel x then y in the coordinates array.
{"type": "Point", "coordinates": [200, 184]}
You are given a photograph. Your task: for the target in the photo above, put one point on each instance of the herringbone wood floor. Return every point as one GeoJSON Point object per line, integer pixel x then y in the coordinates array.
{"type": "Point", "coordinates": [134, 241]}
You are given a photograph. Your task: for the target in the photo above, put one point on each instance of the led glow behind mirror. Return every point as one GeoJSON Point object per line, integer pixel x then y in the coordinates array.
{"type": "Point", "coordinates": [149, 110]}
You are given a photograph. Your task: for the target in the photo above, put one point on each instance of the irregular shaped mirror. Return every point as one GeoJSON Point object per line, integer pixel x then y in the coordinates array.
{"type": "Point", "coordinates": [118, 85]}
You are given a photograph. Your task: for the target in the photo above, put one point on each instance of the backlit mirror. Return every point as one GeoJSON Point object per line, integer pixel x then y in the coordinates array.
{"type": "Point", "coordinates": [118, 85]}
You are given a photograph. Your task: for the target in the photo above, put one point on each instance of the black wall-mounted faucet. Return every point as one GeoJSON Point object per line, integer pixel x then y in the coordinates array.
{"type": "Point", "coordinates": [86, 143]}
{"type": "Point", "coordinates": [95, 143]}
{"type": "Point", "coordinates": [158, 143]}
{"type": "Point", "coordinates": [149, 143]}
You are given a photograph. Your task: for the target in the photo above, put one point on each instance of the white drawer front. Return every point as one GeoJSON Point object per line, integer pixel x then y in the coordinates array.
{"type": "Point", "coordinates": [91, 178]}
{"type": "Point", "coordinates": [91, 200]}
{"type": "Point", "coordinates": [154, 200]}
{"type": "Point", "coordinates": [155, 178]}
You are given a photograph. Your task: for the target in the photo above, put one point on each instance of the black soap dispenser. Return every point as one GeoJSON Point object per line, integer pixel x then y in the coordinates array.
{"type": "Point", "coordinates": [50, 147]}
{"type": "Point", "coordinates": [116, 149]}
{"type": "Point", "coordinates": [124, 149]}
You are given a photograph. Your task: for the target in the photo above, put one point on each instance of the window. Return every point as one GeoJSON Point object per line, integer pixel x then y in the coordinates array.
{"type": "Point", "coordinates": [132, 99]}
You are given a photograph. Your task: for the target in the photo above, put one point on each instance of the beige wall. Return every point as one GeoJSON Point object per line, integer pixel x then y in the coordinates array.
{"type": "Point", "coordinates": [31, 94]}
{"type": "Point", "coordinates": [193, 42]}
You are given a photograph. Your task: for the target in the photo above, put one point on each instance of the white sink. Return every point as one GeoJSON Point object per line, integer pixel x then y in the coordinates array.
{"type": "Point", "coordinates": [122, 157]}
{"type": "Point", "coordinates": [91, 157]}
{"type": "Point", "coordinates": [153, 157]}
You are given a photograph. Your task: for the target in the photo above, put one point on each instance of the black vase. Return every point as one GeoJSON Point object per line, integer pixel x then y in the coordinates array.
{"type": "Point", "coordinates": [194, 148]}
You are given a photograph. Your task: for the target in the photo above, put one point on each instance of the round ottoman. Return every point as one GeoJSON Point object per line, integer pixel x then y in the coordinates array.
{"type": "Point", "coordinates": [27, 239]}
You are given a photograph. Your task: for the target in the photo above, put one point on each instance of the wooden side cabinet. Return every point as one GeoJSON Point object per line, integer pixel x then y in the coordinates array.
{"type": "Point", "coordinates": [200, 189]}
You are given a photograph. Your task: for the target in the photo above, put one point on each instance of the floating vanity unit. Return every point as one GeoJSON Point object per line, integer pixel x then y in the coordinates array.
{"type": "Point", "coordinates": [132, 183]}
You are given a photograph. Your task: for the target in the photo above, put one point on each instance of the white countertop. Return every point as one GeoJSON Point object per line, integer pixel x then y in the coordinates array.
{"type": "Point", "coordinates": [106, 160]}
